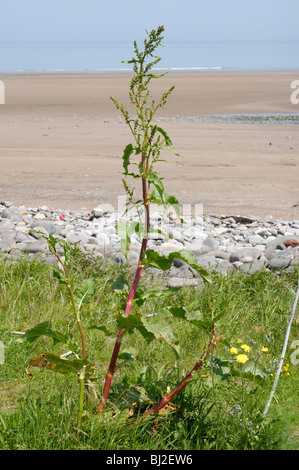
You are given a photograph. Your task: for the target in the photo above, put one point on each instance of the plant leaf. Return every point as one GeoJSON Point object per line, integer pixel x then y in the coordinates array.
{"type": "Point", "coordinates": [120, 285]}
{"type": "Point", "coordinates": [155, 260]}
{"type": "Point", "coordinates": [130, 322]}
{"type": "Point", "coordinates": [154, 178]}
{"type": "Point", "coordinates": [86, 293]}
{"type": "Point", "coordinates": [125, 241]}
{"type": "Point", "coordinates": [58, 364]}
{"type": "Point", "coordinates": [251, 367]}
{"type": "Point", "coordinates": [168, 141]}
{"type": "Point", "coordinates": [143, 296]}
{"type": "Point", "coordinates": [45, 329]}
{"type": "Point", "coordinates": [58, 274]}
{"type": "Point", "coordinates": [194, 317]}
{"type": "Point", "coordinates": [102, 328]}
{"type": "Point", "coordinates": [128, 354]}
{"type": "Point", "coordinates": [160, 326]}
{"type": "Point", "coordinates": [126, 157]}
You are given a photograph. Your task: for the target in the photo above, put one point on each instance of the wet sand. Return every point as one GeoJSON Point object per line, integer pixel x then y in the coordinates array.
{"type": "Point", "coordinates": [61, 142]}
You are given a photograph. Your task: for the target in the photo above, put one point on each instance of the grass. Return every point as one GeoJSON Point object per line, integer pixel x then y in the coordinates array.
{"type": "Point", "coordinates": [213, 412]}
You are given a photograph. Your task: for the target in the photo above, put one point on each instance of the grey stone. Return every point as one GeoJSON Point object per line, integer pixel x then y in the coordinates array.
{"type": "Point", "coordinates": [223, 267]}
{"type": "Point", "coordinates": [120, 258]}
{"type": "Point", "coordinates": [6, 245]}
{"type": "Point", "coordinates": [222, 255]}
{"type": "Point", "coordinates": [11, 215]}
{"type": "Point", "coordinates": [8, 235]}
{"type": "Point", "coordinates": [273, 244]}
{"type": "Point", "coordinates": [207, 261]}
{"type": "Point", "coordinates": [185, 273]}
{"type": "Point", "coordinates": [22, 237]}
{"type": "Point", "coordinates": [176, 235]}
{"type": "Point", "coordinates": [49, 227]}
{"type": "Point", "coordinates": [205, 246]}
{"type": "Point", "coordinates": [282, 260]}
{"type": "Point", "coordinates": [256, 240]}
{"type": "Point", "coordinates": [178, 263]}
{"type": "Point", "coordinates": [35, 246]}
{"type": "Point", "coordinates": [256, 265]}
{"type": "Point", "coordinates": [6, 224]}
{"type": "Point", "coordinates": [245, 255]}
{"type": "Point", "coordinates": [183, 282]}
{"type": "Point", "coordinates": [262, 232]}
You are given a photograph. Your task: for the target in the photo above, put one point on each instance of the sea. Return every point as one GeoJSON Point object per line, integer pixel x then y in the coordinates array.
{"type": "Point", "coordinates": [28, 57]}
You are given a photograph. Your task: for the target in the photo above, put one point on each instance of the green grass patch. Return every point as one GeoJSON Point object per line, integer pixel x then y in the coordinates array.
{"type": "Point", "coordinates": [221, 408]}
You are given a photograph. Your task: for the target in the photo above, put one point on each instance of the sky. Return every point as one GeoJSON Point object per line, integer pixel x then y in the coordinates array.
{"type": "Point", "coordinates": [184, 20]}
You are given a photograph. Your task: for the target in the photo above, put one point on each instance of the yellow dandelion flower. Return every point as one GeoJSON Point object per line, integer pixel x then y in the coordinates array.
{"type": "Point", "coordinates": [242, 358]}
{"type": "Point", "coordinates": [239, 341]}
{"type": "Point", "coordinates": [233, 350]}
{"type": "Point", "coordinates": [287, 374]}
{"type": "Point", "coordinates": [245, 347]}
{"type": "Point", "coordinates": [264, 349]}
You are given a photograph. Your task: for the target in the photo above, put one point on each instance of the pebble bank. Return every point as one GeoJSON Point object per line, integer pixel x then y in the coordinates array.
{"type": "Point", "coordinates": [221, 243]}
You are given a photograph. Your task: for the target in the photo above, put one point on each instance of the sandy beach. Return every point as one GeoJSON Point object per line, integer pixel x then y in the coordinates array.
{"type": "Point", "coordinates": [61, 142]}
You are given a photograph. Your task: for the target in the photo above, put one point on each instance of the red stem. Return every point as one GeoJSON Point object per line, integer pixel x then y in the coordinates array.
{"type": "Point", "coordinates": [169, 396]}
{"type": "Point", "coordinates": [130, 299]}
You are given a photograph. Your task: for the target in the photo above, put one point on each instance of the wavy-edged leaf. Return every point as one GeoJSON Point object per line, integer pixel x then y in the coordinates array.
{"type": "Point", "coordinates": [155, 260]}
{"type": "Point", "coordinates": [128, 354]}
{"type": "Point", "coordinates": [194, 317]}
{"type": "Point", "coordinates": [160, 326]}
{"type": "Point", "coordinates": [168, 141]}
{"type": "Point", "coordinates": [102, 328]}
{"type": "Point", "coordinates": [45, 329]}
{"type": "Point", "coordinates": [130, 322]}
{"type": "Point", "coordinates": [58, 364]}
{"type": "Point", "coordinates": [126, 157]}
{"type": "Point", "coordinates": [58, 274]}
{"type": "Point", "coordinates": [120, 284]}
{"type": "Point", "coordinates": [251, 367]}
{"type": "Point", "coordinates": [143, 296]}
{"type": "Point", "coordinates": [155, 179]}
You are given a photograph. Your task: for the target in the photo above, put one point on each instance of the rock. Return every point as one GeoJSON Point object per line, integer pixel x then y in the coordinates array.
{"type": "Point", "coordinates": [256, 240]}
{"type": "Point", "coordinates": [6, 224]}
{"type": "Point", "coordinates": [181, 282]}
{"type": "Point", "coordinates": [256, 265]}
{"type": "Point", "coordinates": [47, 226]}
{"type": "Point", "coordinates": [245, 255]}
{"type": "Point", "coordinates": [36, 246]}
{"type": "Point", "coordinates": [273, 244]}
{"type": "Point", "coordinates": [203, 247]}
{"type": "Point", "coordinates": [222, 255]}
{"type": "Point", "coordinates": [291, 242]}
{"type": "Point", "coordinates": [223, 267]}
{"type": "Point", "coordinates": [6, 245]}
{"type": "Point", "coordinates": [176, 235]}
{"type": "Point", "coordinates": [11, 215]}
{"type": "Point", "coordinates": [281, 260]}
{"type": "Point", "coordinates": [119, 258]}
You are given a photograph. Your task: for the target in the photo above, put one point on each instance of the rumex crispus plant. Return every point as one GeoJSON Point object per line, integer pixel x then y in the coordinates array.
{"type": "Point", "coordinates": [149, 140]}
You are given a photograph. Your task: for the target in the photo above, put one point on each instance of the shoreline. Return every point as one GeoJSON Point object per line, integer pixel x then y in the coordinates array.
{"type": "Point", "coordinates": [62, 141]}
{"type": "Point", "coordinates": [173, 70]}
